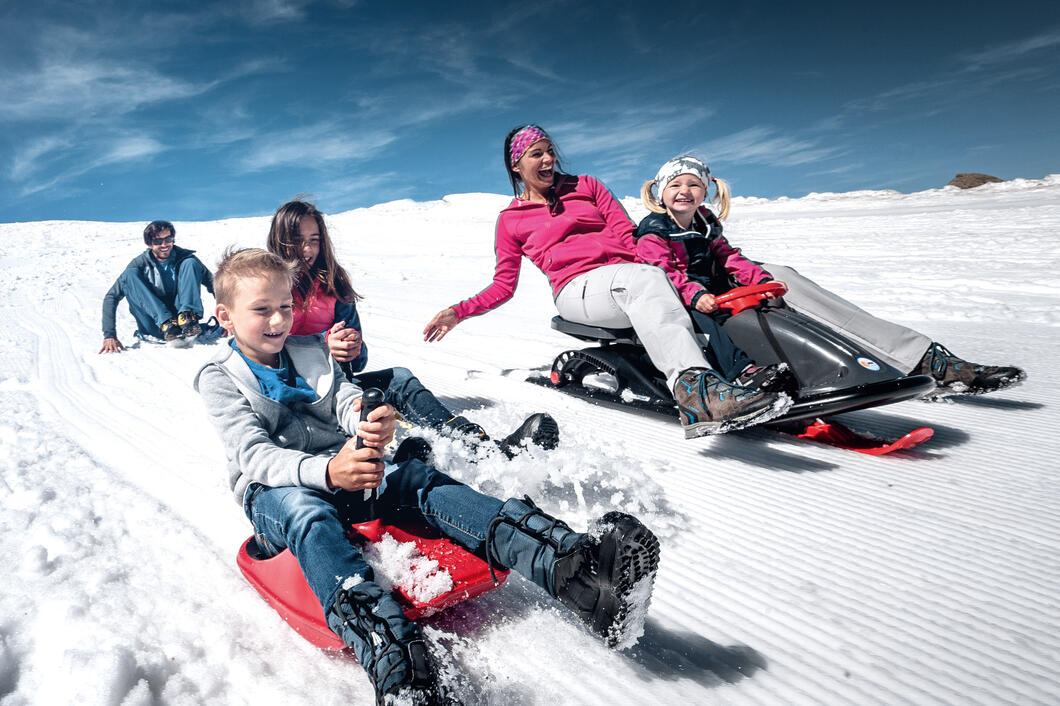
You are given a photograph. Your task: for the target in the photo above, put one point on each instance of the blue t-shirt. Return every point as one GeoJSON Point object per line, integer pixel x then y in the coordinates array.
{"type": "Point", "coordinates": [282, 384]}
{"type": "Point", "coordinates": [169, 276]}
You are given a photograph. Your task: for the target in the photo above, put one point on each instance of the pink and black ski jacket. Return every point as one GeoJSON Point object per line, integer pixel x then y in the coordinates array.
{"type": "Point", "coordinates": [697, 260]}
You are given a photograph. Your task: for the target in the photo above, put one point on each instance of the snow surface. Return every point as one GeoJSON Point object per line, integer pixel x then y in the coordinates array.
{"type": "Point", "coordinates": [791, 572]}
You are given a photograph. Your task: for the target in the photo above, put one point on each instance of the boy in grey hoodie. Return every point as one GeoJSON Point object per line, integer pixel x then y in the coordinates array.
{"type": "Point", "coordinates": [288, 419]}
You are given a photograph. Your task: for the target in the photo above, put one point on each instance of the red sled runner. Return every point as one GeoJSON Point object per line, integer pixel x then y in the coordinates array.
{"type": "Point", "coordinates": [833, 433]}
{"type": "Point", "coordinates": [280, 581]}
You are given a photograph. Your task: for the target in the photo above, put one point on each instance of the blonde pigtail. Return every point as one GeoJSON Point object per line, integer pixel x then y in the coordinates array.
{"type": "Point", "coordinates": [648, 198]}
{"type": "Point", "coordinates": [721, 197]}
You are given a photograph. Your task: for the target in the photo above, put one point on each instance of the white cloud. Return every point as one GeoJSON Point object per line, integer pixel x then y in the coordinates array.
{"type": "Point", "coordinates": [315, 145]}
{"type": "Point", "coordinates": [761, 145]}
{"type": "Point", "coordinates": [1011, 51]}
{"type": "Point", "coordinates": [116, 150]}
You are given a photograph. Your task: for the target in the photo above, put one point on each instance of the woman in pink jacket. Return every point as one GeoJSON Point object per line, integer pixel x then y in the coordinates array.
{"type": "Point", "coordinates": [572, 228]}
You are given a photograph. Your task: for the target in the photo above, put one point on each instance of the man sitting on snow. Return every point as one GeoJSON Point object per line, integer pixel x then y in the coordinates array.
{"type": "Point", "coordinates": [286, 414]}
{"type": "Point", "coordinates": [163, 288]}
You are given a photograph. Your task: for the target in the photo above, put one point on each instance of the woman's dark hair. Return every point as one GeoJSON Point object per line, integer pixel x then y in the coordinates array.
{"type": "Point", "coordinates": [155, 228]}
{"type": "Point", "coordinates": [513, 176]}
{"type": "Point", "coordinates": [284, 241]}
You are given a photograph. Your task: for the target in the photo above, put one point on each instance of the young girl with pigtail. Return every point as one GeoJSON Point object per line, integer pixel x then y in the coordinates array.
{"type": "Point", "coordinates": [684, 239]}
{"type": "Point", "coordinates": [325, 302]}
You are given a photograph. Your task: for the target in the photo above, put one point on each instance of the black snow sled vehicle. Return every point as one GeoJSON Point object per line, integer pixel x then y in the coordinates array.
{"type": "Point", "coordinates": [832, 373]}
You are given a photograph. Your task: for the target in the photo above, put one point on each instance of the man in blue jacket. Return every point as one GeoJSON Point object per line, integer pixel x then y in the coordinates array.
{"type": "Point", "coordinates": [163, 288]}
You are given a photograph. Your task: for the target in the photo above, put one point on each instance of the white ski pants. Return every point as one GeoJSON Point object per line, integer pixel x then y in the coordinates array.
{"type": "Point", "coordinates": [641, 296]}
{"type": "Point", "coordinates": [898, 346]}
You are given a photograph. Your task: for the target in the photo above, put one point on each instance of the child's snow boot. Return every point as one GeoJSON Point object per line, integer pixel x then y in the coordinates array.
{"type": "Point", "coordinates": [461, 427]}
{"type": "Point", "coordinates": [707, 404]}
{"type": "Point", "coordinates": [604, 576]}
{"type": "Point", "coordinates": [539, 428]}
{"type": "Point", "coordinates": [388, 645]}
{"type": "Point", "coordinates": [413, 447]}
{"type": "Point", "coordinates": [956, 376]}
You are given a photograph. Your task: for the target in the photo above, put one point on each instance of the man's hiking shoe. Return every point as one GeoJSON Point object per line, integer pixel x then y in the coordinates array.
{"type": "Point", "coordinates": [707, 404]}
{"type": "Point", "coordinates": [610, 588]}
{"type": "Point", "coordinates": [388, 645]}
{"type": "Point", "coordinates": [539, 428]}
{"type": "Point", "coordinates": [956, 376]}
{"type": "Point", "coordinates": [189, 324]}
{"type": "Point", "coordinates": [171, 331]}
{"type": "Point", "coordinates": [771, 378]}
{"type": "Point", "coordinates": [413, 447]}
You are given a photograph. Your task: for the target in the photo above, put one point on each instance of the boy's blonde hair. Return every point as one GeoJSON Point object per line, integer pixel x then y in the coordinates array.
{"type": "Point", "coordinates": [239, 264]}
{"type": "Point", "coordinates": [721, 198]}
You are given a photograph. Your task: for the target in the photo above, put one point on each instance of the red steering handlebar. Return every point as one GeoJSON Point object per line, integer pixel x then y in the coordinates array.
{"type": "Point", "coordinates": [739, 298]}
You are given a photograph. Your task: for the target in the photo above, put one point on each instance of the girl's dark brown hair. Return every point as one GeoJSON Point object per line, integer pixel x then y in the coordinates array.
{"type": "Point", "coordinates": [284, 241]}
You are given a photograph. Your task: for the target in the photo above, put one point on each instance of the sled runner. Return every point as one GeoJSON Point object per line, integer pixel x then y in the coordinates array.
{"type": "Point", "coordinates": [833, 374]}
{"type": "Point", "coordinates": [280, 582]}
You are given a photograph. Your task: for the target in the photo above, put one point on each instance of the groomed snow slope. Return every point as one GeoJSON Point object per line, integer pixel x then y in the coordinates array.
{"type": "Point", "coordinates": [791, 573]}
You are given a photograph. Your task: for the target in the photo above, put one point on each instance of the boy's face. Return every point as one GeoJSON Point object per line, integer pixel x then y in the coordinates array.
{"type": "Point", "coordinates": [259, 317]}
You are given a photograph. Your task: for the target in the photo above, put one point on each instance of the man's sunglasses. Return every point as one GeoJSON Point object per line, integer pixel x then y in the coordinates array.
{"type": "Point", "coordinates": [163, 240]}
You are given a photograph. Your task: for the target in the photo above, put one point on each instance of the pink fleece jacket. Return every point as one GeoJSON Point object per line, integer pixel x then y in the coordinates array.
{"type": "Point", "coordinates": [589, 229]}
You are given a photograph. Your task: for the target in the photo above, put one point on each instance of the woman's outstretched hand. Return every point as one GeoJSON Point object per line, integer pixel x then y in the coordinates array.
{"type": "Point", "coordinates": [442, 323]}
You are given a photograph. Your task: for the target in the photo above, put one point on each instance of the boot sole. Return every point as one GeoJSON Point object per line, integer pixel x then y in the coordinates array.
{"type": "Point", "coordinates": [547, 434]}
{"type": "Point", "coordinates": [780, 406]}
{"type": "Point", "coordinates": [629, 553]}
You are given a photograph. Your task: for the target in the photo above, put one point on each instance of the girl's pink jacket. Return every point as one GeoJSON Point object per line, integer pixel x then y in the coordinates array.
{"type": "Point", "coordinates": [589, 229]}
{"type": "Point", "coordinates": [315, 318]}
{"type": "Point", "coordinates": [670, 255]}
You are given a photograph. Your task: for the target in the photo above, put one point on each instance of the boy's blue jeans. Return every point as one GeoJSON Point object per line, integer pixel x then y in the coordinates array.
{"type": "Point", "coordinates": [150, 311]}
{"type": "Point", "coordinates": [313, 523]}
{"type": "Point", "coordinates": [403, 390]}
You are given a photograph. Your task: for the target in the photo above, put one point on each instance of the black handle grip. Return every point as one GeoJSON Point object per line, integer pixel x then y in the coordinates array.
{"type": "Point", "coordinates": [370, 399]}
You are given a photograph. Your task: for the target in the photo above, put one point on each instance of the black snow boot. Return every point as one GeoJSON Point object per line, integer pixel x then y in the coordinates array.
{"type": "Point", "coordinates": [413, 447]}
{"type": "Point", "coordinates": [956, 376]}
{"type": "Point", "coordinates": [388, 645]}
{"type": "Point", "coordinates": [605, 576]}
{"type": "Point", "coordinates": [461, 427]}
{"type": "Point", "coordinates": [539, 428]}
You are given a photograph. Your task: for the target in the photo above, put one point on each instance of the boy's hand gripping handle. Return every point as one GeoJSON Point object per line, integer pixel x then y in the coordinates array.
{"type": "Point", "coordinates": [370, 399]}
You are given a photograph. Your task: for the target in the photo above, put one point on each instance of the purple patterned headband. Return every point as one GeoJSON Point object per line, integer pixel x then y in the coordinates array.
{"type": "Point", "coordinates": [524, 138]}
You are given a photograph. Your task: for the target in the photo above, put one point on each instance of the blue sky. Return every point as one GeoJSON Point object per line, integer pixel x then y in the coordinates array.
{"type": "Point", "coordinates": [131, 111]}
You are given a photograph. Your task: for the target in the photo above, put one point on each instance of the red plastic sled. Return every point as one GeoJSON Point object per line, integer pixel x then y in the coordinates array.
{"type": "Point", "coordinates": [280, 581]}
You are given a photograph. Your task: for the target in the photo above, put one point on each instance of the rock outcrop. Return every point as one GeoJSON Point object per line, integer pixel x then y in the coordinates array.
{"type": "Point", "coordinates": [972, 180]}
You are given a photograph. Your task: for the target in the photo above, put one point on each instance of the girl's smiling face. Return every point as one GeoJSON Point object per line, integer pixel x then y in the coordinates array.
{"type": "Point", "coordinates": [308, 240]}
{"type": "Point", "coordinates": [537, 167]}
{"type": "Point", "coordinates": [682, 195]}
